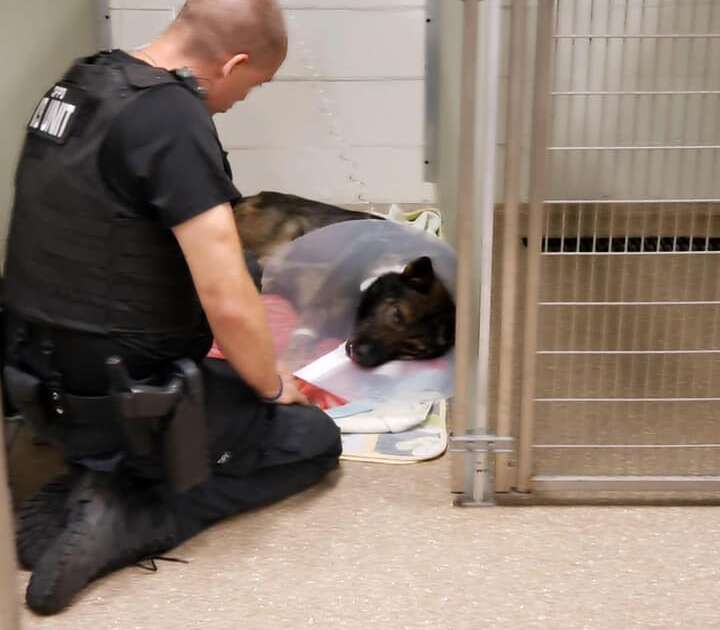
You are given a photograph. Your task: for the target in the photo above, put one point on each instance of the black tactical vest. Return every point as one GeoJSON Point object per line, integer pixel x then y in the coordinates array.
{"type": "Point", "coordinates": [78, 256]}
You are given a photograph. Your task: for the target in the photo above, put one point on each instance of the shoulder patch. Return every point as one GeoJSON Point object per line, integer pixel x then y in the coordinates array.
{"type": "Point", "coordinates": [57, 112]}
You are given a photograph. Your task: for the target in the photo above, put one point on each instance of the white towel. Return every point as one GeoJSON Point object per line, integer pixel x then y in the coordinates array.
{"type": "Point", "coordinates": [391, 417]}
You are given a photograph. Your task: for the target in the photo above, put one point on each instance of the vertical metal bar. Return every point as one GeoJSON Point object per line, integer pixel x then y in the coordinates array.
{"type": "Point", "coordinates": [565, 160]}
{"type": "Point", "coordinates": [620, 367]}
{"type": "Point", "coordinates": [577, 286]}
{"type": "Point", "coordinates": [577, 380]}
{"type": "Point", "coordinates": [715, 127]}
{"type": "Point", "coordinates": [714, 342]}
{"type": "Point", "coordinates": [652, 189]}
{"type": "Point", "coordinates": [9, 615]}
{"type": "Point", "coordinates": [432, 87]}
{"type": "Point", "coordinates": [542, 110]}
{"type": "Point", "coordinates": [673, 280]}
{"type": "Point", "coordinates": [697, 166]}
{"type": "Point", "coordinates": [561, 338]}
{"type": "Point", "coordinates": [546, 235]}
{"type": "Point", "coordinates": [558, 265]}
{"type": "Point", "coordinates": [637, 100]}
{"type": "Point", "coordinates": [662, 319]}
{"type": "Point", "coordinates": [591, 46]}
{"type": "Point", "coordinates": [580, 76]}
{"type": "Point", "coordinates": [678, 417]}
{"type": "Point", "coordinates": [591, 384]}
{"type": "Point", "coordinates": [638, 327]}
{"type": "Point", "coordinates": [490, 90]}
{"type": "Point", "coordinates": [684, 328]}
{"type": "Point", "coordinates": [467, 306]}
{"type": "Point", "coordinates": [711, 340]}
{"type": "Point", "coordinates": [632, 321]}
{"type": "Point", "coordinates": [611, 367]}
{"type": "Point", "coordinates": [681, 173]}
{"type": "Point", "coordinates": [590, 327]}
{"type": "Point", "coordinates": [673, 104]}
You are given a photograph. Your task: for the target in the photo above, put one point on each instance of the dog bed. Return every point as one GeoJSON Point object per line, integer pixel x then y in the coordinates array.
{"type": "Point", "coordinates": [427, 440]}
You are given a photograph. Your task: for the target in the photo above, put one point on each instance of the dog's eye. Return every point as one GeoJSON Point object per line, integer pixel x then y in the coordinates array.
{"type": "Point", "coordinates": [396, 316]}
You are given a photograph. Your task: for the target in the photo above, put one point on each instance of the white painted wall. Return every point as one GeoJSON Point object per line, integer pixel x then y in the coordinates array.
{"type": "Point", "coordinates": [343, 120]}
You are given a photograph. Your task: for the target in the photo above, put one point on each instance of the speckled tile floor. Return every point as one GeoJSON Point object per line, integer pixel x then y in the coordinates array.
{"type": "Point", "coordinates": [380, 547]}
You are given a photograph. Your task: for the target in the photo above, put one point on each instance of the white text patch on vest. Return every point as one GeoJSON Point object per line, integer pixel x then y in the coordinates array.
{"type": "Point", "coordinates": [53, 114]}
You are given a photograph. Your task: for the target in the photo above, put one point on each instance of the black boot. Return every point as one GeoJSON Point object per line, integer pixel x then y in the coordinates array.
{"type": "Point", "coordinates": [42, 517]}
{"type": "Point", "coordinates": [109, 527]}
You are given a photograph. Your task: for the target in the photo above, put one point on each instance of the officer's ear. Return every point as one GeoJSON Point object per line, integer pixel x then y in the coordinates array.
{"type": "Point", "coordinates": [232, 63]}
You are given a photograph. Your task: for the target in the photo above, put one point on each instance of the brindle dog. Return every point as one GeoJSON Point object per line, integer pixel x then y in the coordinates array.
{"type": "Point", "coordinates": [408, 315]}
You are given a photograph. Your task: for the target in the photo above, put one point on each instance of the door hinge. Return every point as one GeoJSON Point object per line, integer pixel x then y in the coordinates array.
{"type": "Point", "coordinates": [479, 455]}
{"type": "Point", "coordinates": [483, 443]}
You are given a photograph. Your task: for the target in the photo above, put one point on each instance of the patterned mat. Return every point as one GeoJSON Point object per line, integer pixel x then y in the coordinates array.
{"type": "Point", "coordinates": [426, 441]}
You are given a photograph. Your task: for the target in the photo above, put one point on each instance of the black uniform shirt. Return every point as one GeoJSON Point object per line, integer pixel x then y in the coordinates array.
{"type": "Point", "coordinates": [162, 155]}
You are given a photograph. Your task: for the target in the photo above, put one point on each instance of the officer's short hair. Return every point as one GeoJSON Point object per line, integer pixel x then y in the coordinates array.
{"type": "Point", "coordinates": [221, 28]}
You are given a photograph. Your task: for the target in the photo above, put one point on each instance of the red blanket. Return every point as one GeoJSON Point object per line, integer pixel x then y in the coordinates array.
{"type": "Point", "coordinates": [283, 320]}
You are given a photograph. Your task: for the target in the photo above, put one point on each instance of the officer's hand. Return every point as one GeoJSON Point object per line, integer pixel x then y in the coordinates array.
{"type": "Point", "coordinates": [291, 394]}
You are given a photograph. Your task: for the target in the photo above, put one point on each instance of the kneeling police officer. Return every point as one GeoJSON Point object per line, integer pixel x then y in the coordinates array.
{"type": "Point", "coordinates": [123, 263]}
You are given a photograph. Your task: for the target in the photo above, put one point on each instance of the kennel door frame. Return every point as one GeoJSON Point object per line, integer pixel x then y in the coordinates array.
{"type": "Point", "coordinates": [622, 486]}
{"type": "Point", "coordinates": [471, 446]}
{"type": "Point", "coordinates": [9, 606]}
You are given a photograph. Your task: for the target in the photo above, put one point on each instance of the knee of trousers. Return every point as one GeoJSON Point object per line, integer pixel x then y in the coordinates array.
{"type": "Point", "coordinates": [309, 431]}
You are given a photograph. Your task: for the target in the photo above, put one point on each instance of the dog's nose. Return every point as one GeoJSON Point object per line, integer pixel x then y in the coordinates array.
{"type": "Point", "coordinates": [358, 351]}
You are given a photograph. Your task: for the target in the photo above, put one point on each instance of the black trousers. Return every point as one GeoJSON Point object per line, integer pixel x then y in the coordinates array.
{"type": "Point", "coordinates": [259, 452]}
{"type": "Point", "coordinates": [263, 453]}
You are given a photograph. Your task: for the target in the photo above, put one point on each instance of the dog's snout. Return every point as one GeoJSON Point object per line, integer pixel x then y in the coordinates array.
{"type": "Point", "coordinates": [363, 353]}
{"type": "Point", "coordinates": [360, 351]}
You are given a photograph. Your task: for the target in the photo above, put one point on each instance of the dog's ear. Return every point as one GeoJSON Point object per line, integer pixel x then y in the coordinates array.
{"type": "Point", "coordinates": [419, 275]}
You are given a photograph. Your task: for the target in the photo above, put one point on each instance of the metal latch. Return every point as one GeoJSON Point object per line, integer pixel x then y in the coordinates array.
{"type": "Point", "coordinates": [479, 450]}
{"type": "Point", "coordinates": [482, 443]}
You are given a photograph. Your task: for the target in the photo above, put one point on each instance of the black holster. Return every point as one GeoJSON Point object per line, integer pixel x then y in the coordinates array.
{"type": "Point", "coordinates": [167, 419]}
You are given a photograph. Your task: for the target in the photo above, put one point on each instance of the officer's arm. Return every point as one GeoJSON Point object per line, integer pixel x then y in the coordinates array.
{"type": "Point", "coordinates": [231, 301]}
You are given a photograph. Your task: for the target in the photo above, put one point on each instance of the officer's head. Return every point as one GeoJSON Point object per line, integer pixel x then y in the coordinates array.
{"type": "Point", "coordinates": [235, 45]}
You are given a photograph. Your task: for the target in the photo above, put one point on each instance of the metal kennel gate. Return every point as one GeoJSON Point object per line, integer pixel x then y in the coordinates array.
{"type": "Point", "coordinates": [599, 341]}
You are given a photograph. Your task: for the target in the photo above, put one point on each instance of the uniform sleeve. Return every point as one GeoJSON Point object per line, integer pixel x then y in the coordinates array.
{"type": "Point", "coordinates": [162, 155]}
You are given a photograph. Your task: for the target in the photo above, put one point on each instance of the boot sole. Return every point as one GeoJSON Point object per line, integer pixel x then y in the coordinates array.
{"type": "Point", "coordinates": [76, 556]}
{"type": "Point", "coordinates": [40, 521]}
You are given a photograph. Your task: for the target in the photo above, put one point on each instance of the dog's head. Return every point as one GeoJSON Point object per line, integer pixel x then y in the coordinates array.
{"type": "Point", "coordinates": [408, 315]}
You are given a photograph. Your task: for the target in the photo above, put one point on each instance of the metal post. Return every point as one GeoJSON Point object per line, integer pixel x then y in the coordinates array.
{"type": "Point", "coordinates": [483, 491]}
{"type": "Point", "coordinates": [511, 234]}
{"type": "Point", "coordinates": [432, 88]}
{"type": "Point", "coordinates": [542, 109]}
{"type": "Point", "coordinates": [462, 471]}
{"type": "Point", "coordinates": [9, 618]}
